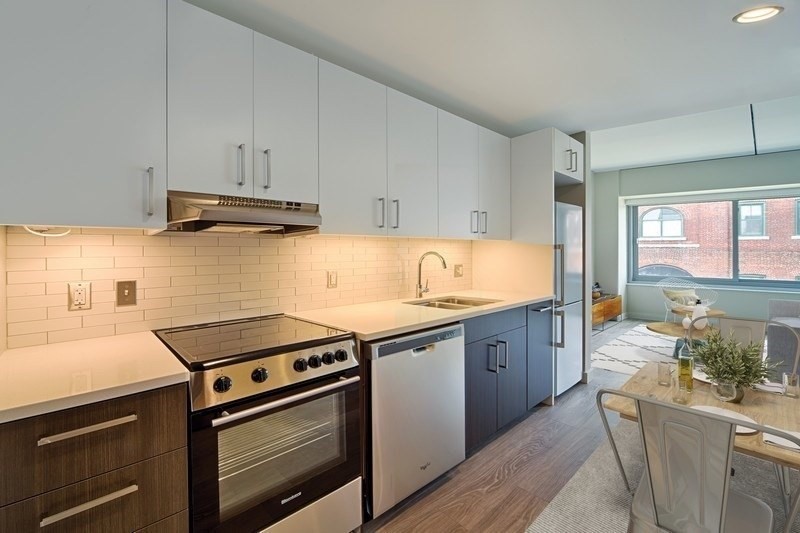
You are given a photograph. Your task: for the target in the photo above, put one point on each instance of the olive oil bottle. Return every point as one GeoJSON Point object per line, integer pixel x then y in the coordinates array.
{"type": "Point", "coordinates": [685, 370]}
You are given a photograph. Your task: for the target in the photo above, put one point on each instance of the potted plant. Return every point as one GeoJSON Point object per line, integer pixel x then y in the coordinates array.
{"type": "Point", "coordinates": [727, 362]}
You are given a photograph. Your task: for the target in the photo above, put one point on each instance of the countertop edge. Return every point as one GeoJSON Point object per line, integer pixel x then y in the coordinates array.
{"type": "Point", "coordinates": [67, 402]}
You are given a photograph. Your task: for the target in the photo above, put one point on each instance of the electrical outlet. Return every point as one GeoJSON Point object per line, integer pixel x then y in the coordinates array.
{"type": "Point", "coordinates": [126, 293]}
{"type": "Point", "coordinates": [332, 279]}
{"type": "Point", "coordinates": [79, 295]}
{"type": "Point", "coordinates": [458, 271]}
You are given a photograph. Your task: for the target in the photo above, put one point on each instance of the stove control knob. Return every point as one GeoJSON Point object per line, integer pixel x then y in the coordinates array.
{"type": "Point", "coordinates": [314, 361]}
{"type": "Point", "coordinates": [223, 384]}
{"type": "Point", "coordinates": [341, 355]}
{"type": "Point", "coordinates": [300, 365]}
{"type": "Point", "coordinates": [260, 374]}
{"type": "Point", "coordinates": [328, 358]}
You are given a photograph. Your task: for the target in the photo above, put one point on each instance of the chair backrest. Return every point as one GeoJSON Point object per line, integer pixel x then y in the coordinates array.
{"type": "Point", "coordinates": [687, 461]}
{"type": "Point", "coordinates": [682, 293]}
{"type": "Point", "coordinates": [783, 346]}
{"type": "Point", "coordinates": [742, 330]}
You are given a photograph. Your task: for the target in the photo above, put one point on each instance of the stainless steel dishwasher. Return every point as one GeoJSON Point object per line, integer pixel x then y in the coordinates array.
{"type": "Point", "coordinates": [417, 405]}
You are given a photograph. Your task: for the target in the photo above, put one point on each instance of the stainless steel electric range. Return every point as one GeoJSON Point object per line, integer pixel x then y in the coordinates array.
{"type": "Point", "coordinates": [275, 424]}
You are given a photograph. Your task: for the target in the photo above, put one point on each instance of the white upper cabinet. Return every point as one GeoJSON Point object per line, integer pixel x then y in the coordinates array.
{"type": "Point", "coordinates": [494, 178]}
{"type": "Point", "coordinates": [459, 211]}
{"type": "Point", "coordinates": [352, 153]}
{"type": "Point", "coordinates": [567, 158]}
{"type": "Point", "coordinates": [82, 113]}
{"type": "Point", "coordinates": [285, 122]}
{"type": "Point", "coordinates": [532, 187]}
{"type": "Point", "coordinates": [210, 102]}
{"type": "Point", "coordinates": [412, 141]}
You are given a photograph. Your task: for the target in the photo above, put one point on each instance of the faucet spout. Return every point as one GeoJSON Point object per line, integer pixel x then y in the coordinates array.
{"type": "Point", "coordinates": [420, 289]}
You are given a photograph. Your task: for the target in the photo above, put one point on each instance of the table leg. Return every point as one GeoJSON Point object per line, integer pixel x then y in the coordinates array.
{"type": "Point", "coordinates": [784, 483]}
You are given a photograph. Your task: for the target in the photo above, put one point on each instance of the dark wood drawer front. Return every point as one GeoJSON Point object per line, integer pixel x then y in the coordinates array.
{"type": "Point", "coordinates": [177, 523]}
{"type": "Point", "coordinates": [492, 324]}
{"type": "Point", "coordinates": [123, 500]}
{"type": "Point", "coordinates": [107, 438]}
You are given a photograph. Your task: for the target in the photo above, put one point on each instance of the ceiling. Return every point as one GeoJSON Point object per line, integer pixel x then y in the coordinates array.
{"type": "Point", "coordinates": [520, 65]}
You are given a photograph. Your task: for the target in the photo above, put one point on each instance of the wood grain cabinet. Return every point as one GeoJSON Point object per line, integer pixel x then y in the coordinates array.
{"type": "Point", "coordinates": [495, 373]}
{"type": "Point", "coordinates": [606, 308]}
{"type": "Point", "coordinates": [120, 464]}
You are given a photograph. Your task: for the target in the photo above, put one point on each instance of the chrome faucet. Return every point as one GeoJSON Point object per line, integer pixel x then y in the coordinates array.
{"type": "Point", "coordinates": [420, 289]}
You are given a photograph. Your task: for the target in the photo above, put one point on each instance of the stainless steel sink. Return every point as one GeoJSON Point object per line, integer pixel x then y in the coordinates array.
{"type": "Point", "coordinates": [453, 302]}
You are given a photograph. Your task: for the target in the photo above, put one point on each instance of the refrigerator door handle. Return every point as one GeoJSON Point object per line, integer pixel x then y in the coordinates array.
{"type": "Point", "coordinates": [562, 316]}
{"type": "Point", "coordinates": [561, 271]}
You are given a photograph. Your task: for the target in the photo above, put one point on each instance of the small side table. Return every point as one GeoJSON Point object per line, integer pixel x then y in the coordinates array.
{"type": "Point", "coordinates": [604, 309]}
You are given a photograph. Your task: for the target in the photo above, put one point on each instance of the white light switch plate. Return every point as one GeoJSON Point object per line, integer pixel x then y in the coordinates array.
{"type": "Point", "coordinates": [332, 279]}
{"type": "Point", "coordinates": [80, 295]}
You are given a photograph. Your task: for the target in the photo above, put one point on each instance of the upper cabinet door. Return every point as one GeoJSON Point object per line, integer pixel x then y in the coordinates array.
{"type": "Point", "coordinates": [210, 102]}
{"type": "Point", "coordinates": [82, 114]}
{"type": "Point", "coordinates": [563, 158]}
{"type": "Point", "coordinates": [352, 153]}
{"type": "Point", "coordinates": [577, 149]}
{"type": "Point", "coordinates": [285, 123]}
{"type": "Point", "coordinates": [459, 213]}
{"type": "Point", "coordinates": [413, 201]}
{"type": "Point", "coordinates": [494, 178]}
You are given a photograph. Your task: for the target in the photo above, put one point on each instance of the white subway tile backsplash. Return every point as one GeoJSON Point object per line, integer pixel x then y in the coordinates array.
{"type": "Point", "coordinates": [188, 279]}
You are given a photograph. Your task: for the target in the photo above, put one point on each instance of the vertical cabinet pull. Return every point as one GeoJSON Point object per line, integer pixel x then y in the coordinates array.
{"type": "Point", "coordinates": [396, 213]}
{"type": "Point", "coordinates": [496, 368]}
{"type": "Point", "coordinates": [241, 168]}
{"type": "Point", "coordinates": [575, 165]}
{"type": "Point", "coordinates": [484, 221]}
{"type": "Point", "coordinates": [382, 201]}
{"type": "Point", "coordinates": [562, 317]}
{"type": "Point", "coordinates": [150, 199]}
{"type": "Point", "coordinates": [473, 222]}
{"type": "Point", "coordinates": [47, 520]}
{"type": "Point", "coordinates": [559, 300]}
{"type": "Point", "coordinates": [268, 168]}
{"type": "Point", "coordinates": [569, 158]}
{"type": "Point", "coordinates": [505, 346]}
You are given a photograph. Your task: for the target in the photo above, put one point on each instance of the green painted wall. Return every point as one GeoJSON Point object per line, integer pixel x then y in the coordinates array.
{"type": "Point", "coordinates": [644, 301]}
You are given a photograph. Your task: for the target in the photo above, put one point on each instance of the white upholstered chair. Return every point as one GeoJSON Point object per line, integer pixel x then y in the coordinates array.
{"type": "Point", "coordinates": [686, 481]}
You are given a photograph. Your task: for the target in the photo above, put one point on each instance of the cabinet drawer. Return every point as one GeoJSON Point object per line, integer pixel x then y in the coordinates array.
{"type": "Point", "coordinates": [50, 451]}
{"type": "Point", "coordinates": [123, 500]}
{"type": "Point", "coordinates": [598, 313]}
{"type": "Point", "coordinates": [613, 307]}
{"type": "Point", "coordinates": [492, 324]}
{"type": "Point", "coordinates": [176, 523]}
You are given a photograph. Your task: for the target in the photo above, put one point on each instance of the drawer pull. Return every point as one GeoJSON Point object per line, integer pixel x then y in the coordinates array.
{"type": "Point", "coordinates": [88, 429]}
{"type": "Point", "coordinates": [47, 520]}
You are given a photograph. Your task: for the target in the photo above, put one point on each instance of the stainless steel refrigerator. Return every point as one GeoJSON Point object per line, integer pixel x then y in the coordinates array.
{"type": "Point", "coordinates": [568, 312]}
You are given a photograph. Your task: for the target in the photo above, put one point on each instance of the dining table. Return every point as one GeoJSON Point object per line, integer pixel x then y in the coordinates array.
{"type": "Point", "coordinates": [765, 408]}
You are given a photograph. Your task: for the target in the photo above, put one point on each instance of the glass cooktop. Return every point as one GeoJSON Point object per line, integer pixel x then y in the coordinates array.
{"type": "Point", "coordinates": [239, 340]}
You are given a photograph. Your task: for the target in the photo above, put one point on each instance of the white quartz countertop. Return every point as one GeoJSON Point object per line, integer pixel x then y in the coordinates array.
{"type": "Point", "coordinates": [376, 320]}
{"type": "Point", "coordinates": [51, 377]}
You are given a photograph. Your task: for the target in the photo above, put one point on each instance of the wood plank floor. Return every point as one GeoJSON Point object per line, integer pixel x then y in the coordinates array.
{"type": "Point", "coordinates": [506, 484]}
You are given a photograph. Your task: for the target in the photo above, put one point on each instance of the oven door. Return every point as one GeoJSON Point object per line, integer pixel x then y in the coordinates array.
{"type": "Point", "coordinates": [260, 461]}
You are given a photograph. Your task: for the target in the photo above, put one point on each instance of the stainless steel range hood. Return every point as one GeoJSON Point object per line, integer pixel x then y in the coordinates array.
{"type": "Point", "coordinates": [198, 212]}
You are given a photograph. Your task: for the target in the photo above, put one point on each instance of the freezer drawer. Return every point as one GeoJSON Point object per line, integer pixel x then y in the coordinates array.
{"type": "Point", "coordinates": [568, 325]}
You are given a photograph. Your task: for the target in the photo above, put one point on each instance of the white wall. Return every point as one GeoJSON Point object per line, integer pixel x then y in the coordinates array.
{"type": "Point", "coordinates": [3, 328]}
{"type": "Point", "coordinates": [512, 266]}
{"type": "Point", "coordinates": [609, 230]}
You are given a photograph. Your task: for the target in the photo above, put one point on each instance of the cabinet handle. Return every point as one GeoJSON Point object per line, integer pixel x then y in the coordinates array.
{"type": "Point", "coordinates": [397, 213]}
{"type": "Point", "coordinates": [559, 300]}
{"type": "Point", "coordinates": [268, 168]}
{"type": "Point", "coordinates": [484, 221]}
{"type": "Point", "coordinates": [150, 200]}
{"type": "Point", "coordinates": [88, 429]}
{"type": "Point", "coordinates": [569, 155]}
{"type": "Point", "coordinates": [505, 352]}
{"type": "Point", "coordinates": [575, 166]}
{"type": "Point", "coordinates": [496, 369]}
{"type": "Point", "coordinates": [562, 317]}
{"type": "Point", "coordinates": [473, 217]}
{"type": "Point", "coordinates": [47, 520]}
{"type": "Point", "coordinates": [241, 169]}
{"type": "Point", "coordinates": [383, 212]}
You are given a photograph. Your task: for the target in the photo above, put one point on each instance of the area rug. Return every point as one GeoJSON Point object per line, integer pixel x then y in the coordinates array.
{"type": "Point", "coordinates": [632, 350]}
{"type": "Point", "coordinates": [594, 500]}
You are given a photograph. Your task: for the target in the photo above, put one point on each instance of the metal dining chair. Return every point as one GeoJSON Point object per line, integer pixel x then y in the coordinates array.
{"type": "Point", "coordinates": [686, 484]}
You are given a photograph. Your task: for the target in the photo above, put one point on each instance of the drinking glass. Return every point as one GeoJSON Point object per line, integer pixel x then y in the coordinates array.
{"type": "Point", "coordinates": [791, 385]}
{"type": "Point", "coordinates": [724, 391]}
{"type": "Point", "coordinates": [680, 392]}
{"type": "Point", "coordinates": [664, 373]}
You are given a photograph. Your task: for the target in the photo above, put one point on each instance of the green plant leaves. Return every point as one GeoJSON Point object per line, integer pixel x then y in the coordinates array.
{"type": "Point", "coordinates": [728, 360]}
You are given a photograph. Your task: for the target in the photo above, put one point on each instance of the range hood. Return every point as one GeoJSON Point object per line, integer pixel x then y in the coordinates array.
{"type": "Point", "coordinates": [211, 213]}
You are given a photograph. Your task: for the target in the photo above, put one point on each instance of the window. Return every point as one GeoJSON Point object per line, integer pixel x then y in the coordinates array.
{"type": "Point", "coordinates": [662, 222]}
{"type": "Point", "coordinates": [723, 241]}
{"type": "Point", "coordinates": [752, 219]}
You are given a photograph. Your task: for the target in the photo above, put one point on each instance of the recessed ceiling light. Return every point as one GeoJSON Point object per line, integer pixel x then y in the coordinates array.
{"type": "Point", "coordinates": [757, 14]}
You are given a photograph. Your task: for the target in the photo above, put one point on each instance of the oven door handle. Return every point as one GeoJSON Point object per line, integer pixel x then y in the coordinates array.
{"type": "Point", "coordinates": [227, 418]}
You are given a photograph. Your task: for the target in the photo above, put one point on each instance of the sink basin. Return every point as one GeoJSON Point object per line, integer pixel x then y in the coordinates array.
{"type": "Point", "coordinates": [453, 302]}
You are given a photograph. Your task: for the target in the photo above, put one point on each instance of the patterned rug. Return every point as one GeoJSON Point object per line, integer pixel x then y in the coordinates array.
{"type": "Point", "coordinates": [632, 350]}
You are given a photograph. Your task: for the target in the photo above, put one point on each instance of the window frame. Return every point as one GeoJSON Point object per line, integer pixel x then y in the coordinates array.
{"type": "Point", "coordinates": [660, 220]}
{"type": "Point", "coordinates": [633, 235]}
{"type": "Point", "coordinates": [797, 217]}
{"type": "Point", "coordinates": [743, 203]}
